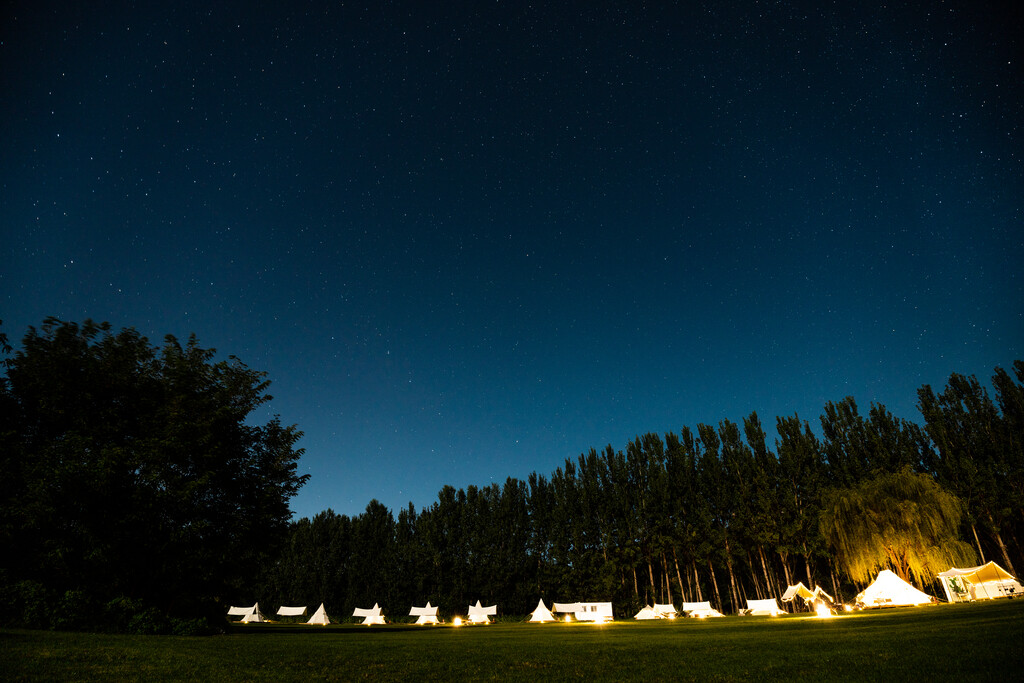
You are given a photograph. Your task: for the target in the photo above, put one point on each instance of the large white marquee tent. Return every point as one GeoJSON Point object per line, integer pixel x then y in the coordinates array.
{"type": "Point", "coordinates": [986, 582]}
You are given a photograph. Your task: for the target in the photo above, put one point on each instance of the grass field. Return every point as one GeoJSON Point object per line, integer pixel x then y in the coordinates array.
{"type": "Point", "coordinates": [980, 641]}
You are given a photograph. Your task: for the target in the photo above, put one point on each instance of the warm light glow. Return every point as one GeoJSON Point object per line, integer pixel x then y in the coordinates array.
{"type": "Point", "coordinates": [848, 608]}
{"type": "Point", "coordinates": [823, 611]}
{"type": "Point", "coordinates": [457, 621]}
{"type": "Point", "coordinates": [568, 618]}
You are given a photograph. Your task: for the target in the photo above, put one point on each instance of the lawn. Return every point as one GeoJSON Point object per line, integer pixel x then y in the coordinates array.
{"type": "Point", "coordinates": [978, 641]}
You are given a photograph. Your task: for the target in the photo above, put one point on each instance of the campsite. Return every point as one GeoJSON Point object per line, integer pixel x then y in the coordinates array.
{"type": "Point", "coordinates": [975, 641]}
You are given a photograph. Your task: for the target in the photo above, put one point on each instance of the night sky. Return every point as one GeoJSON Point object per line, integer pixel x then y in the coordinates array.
{"type": "Point", "coordinates": [468, 242]}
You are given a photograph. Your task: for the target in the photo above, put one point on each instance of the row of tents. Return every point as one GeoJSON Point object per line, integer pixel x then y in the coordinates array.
{"type": "Point", "coordinates": [987, 581]}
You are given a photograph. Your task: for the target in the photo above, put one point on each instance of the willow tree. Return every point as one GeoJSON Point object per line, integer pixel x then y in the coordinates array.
{"type": "Point", "coordinates": [900, 520]}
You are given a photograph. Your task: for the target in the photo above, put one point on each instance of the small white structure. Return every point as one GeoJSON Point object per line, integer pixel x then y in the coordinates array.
{"type": "Point", "coordinates": [284, 611]}
{"type": "Point", "coordinates": [319, 617]}
{"type": "Point", "coordinates": [249, 614]}
{"type": "Point", "coordinates": [700, 610]}
{"type": "Point", "coordinates": [542, 613]}
{"type": "Point", "coordinates": [425, 615]}
{"type": "Point", "coordinates": [647, 613]}
{"type": "Point", "coordinates": [809, 596]}
{"type": "Point", "coordinates": [763, 608]}
{"type": "Point", "coordinates": [478, 614]}
{"type": "Point", "coordinates": [586, 611]}
{"type": "Point", "coordinates": [370, 616]}
{"type": "Point", "coordinates": [889, 590]}
{"type": "Point", "coordinates": [987, 582]}
{"type": "Point", "coordinates": [666, 611]}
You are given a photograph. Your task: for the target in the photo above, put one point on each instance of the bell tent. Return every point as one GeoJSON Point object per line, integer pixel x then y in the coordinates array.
{"type": "Point", "coordinates": [700, 610]}
{"type": "Point", "coordinates": [889, 590]}
{"type": "Point", "coordinates": [319, 616]}
{"type": "Point", "coordinates": [647, 613]}
{"type": "Point", "coordinates": [763, 608]}
{"type": "Point", "coordinates": [542, 613]}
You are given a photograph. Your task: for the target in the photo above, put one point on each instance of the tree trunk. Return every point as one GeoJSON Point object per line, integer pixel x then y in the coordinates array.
{"type": "Point", "coordinates": [785, 570]}
{"type": "Point", "coordinates": [664, 573]}
{"type": "Point", "coordinates": [835, 584]}
{"type": "Point", "coordinates": [734, 592]}
{"type": "Point", "coordinates": [696, 581]}
{"type": "Point", "coordinates": [807, 567]}
{"type": "Point", "coordinates": [650, 574]}
{"type": "Point", "coordinates": [714, 584]}
{"type": "Point", "coordinates": [753, 576]}
{"type": "Point", "coordinates": [772, 590]}
{"type": "Point", "coordinates": [1002, 546]}
{"type": "Point", "coordinates": [977, 543]}
{"type": "Point", "coordinates": [675, 560]}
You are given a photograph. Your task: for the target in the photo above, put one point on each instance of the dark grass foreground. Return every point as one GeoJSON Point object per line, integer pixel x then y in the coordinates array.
{"type": "Point", "coordinates": [945, 642]}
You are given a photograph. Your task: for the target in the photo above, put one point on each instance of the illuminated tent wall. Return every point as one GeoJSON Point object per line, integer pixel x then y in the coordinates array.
{"type": "Point", "coordinates": [762, 608]}
{"type": "Point", "coordinates": [701, 610]}
{"type": "Point", "coordinates": [248, 614]}
{"type": "Point", "coordinates": [319, 616]}
{"type": "Point", "coordinates": [542, 613]}
{"type": "Point", "coordinates": [478, 614]}
{"type": "Point", "coordinates": [667, 611]}
{"type": "Point", "coordinates": [889, 590]}
{"type": "Point", "coordinates": [425, 615]}
{"type": "Point", "coordinates": [647, 613]}
{"type": "Point", "coordinates": [371, 615]}
{"type": "Point", "coordinates": [987, 582]}
{"type": "Point", "coordinates": [586, 611]}
{"type": "Point", "coordinates": [284, 611]}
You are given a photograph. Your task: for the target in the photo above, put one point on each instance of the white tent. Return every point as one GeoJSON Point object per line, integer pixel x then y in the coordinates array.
{"type": "Point", "coordinates": [701, 610]}
{"type": "Point", "coordinates": [241, 611]}
{"type": "Point", "coordinates": [763, 608]}
{"type": "Point", "coordinates": [370, 616]}
{"type": "Point", "coordinates": [986, 582]}
{"type": "Point", "coordinates": [426, 615]}
{"type": "Point", "coordinates": [542, 613]}
{"type": "Point", "coordinates": [647, 613]}
{"type": "Point", "coordinates": [478, 614]}
{"type": "Point", "coordinates": [249, 614]}
{"type": "Point", "coordinates": [889, 590]}
{"type": "Point", "coordinates": [283, 611]}
{"type": "Point", "coordinates": [666, 611]}
{"type": "Point", "coordinates": [586, 611]}
{"type": "Point", "coordinates": [319, 616]}
{"type": "Point", "coordinates": [798, 591]}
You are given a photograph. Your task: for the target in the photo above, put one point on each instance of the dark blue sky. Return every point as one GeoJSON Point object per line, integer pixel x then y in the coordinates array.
{"type": "Point", "coordinates": [467, 243]}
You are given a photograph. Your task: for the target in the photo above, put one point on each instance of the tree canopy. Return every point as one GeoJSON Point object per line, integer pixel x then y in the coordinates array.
{"type": "Point", "coordinates": [901, 519]}
{"type": "Point", "coordinates": [132, 470]}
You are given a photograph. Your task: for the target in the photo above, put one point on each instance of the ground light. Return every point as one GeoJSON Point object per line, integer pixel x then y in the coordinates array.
{"type": "Point", "coordinates": [823, 611]}
{"type": "Point", "coordinates": [457, 621]}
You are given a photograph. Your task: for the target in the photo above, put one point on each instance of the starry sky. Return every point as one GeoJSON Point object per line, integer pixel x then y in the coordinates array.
{"type": "Point", "coordinates": [471, 240]}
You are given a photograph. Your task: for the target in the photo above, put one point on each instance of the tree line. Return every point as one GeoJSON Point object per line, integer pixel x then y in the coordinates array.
{"type": "Point", "coordinates": [720, 513]}
{"type": "Point", "coordinates": [136, 493]}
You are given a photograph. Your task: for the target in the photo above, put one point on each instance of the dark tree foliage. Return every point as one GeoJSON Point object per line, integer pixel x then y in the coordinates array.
{"type": "Point", "coordinates": [130, 470]}
{"type": "Point", "coordinates": [721, 514]}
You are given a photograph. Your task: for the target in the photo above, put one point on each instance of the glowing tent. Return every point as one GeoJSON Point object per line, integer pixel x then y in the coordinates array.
{"type": "Point", "coordinates": [248, 614]}
{"type": "Point", "coordinates": [586, 611]}
{"type": "Point", "coordinates": [889, 590]}
{"type": "Point", "coordinates": [542, 613]}
{"type": "Point", "coordinates": [762, 608]}
{"type": "Point", "coordinates": [478, 614]}
{"type": "Point", "coordinates": [666, 611]}
{"type": "Point", "coordinates": [798, 591]}
{"type": "Point", "coordinates": [647, 613]}
{"type": "Point", "coordinates": [701, 610]}
{"type": "Point", "coordinates": [370, 616]}
{"type": "Point", "coordinates": [986, 582]}
{"type": "Point", "coordinates": [425, 615]}
{"type": "Point", "coordinates": [284, 611]}
{"type": "Point", "coordinates": [319, 616]}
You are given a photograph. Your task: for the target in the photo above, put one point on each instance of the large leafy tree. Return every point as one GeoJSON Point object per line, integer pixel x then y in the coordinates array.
{"type": "Point", "coordinates": [131, 470]}
{"type": "Point", "coordinates": [899, 520]}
